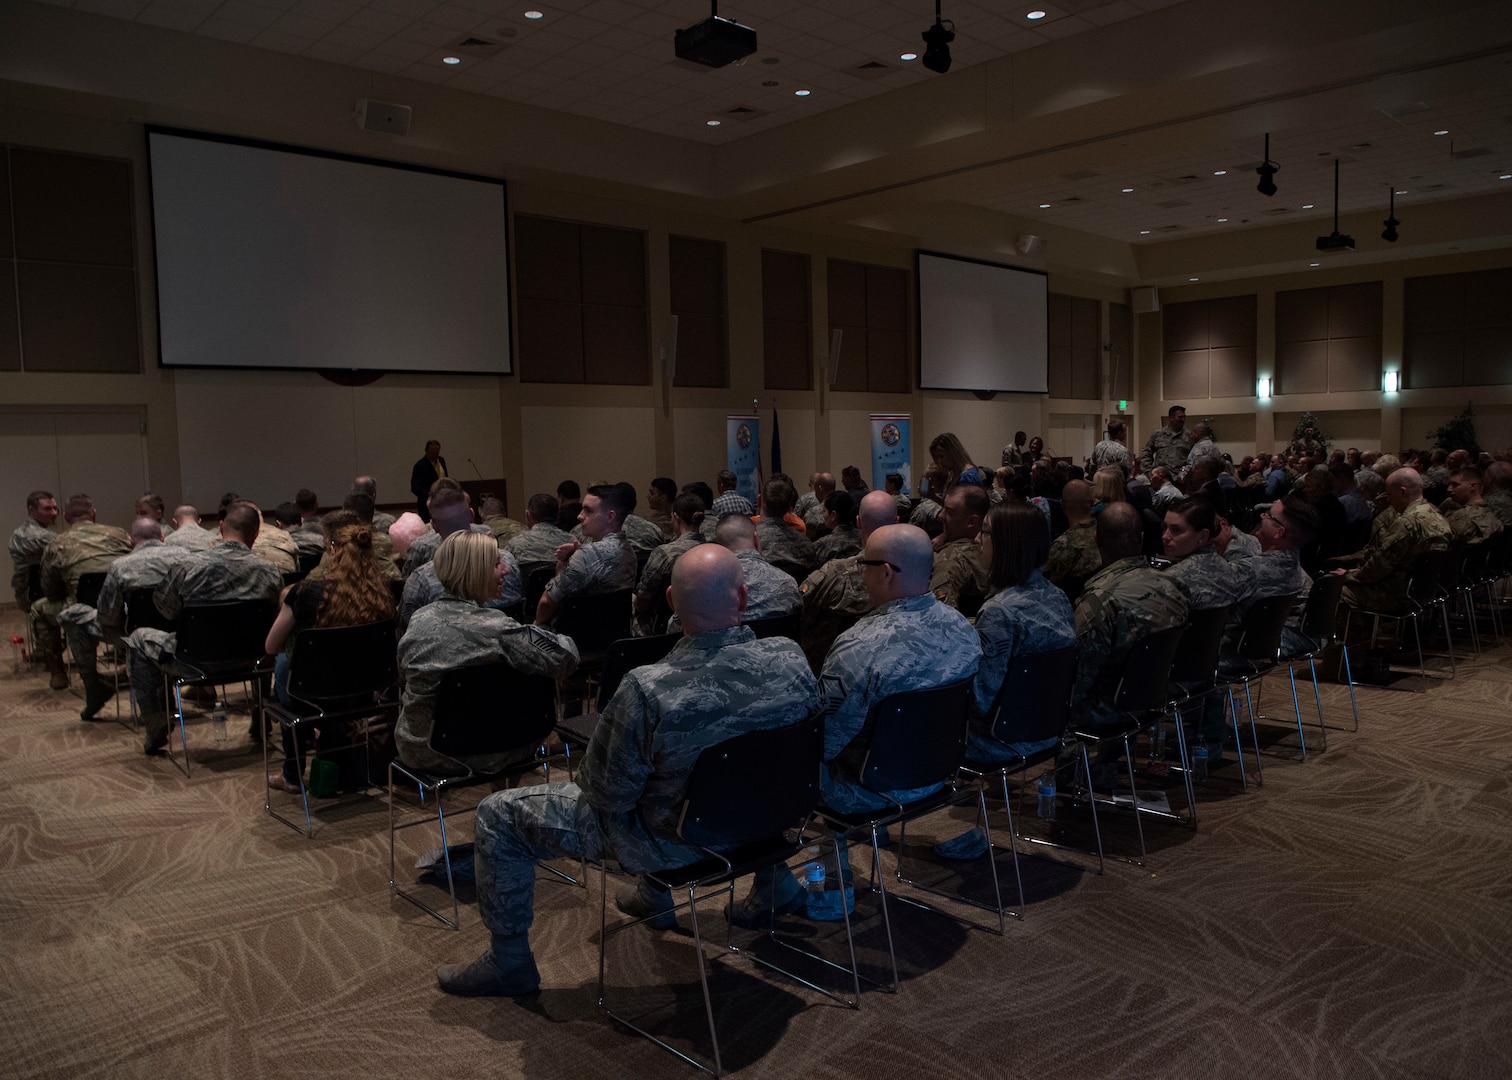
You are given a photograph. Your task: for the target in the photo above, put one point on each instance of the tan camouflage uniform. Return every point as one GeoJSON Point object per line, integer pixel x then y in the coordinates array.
{"type": "Point", "coordinates": [842, 542]}
{"type": "Point", "coordinates": [958, 572]}
{"type": "Point", "coordinates": [1379, 583]}
{"type": "Point", "coordinates": [1474, 523]}
{"type": "Point", "coordinates": [1123, 602]}
{"type": "Point", "coordinates": [1074, 554]}
{"type": "Point", "coordinates": [504, 529]}
{"type": "Point", "coordinates": [83, 548]}
{"type": "Point", "coordinates": [833, 599]}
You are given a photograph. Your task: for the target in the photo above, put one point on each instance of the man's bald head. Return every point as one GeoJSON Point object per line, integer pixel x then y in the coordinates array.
{"type": "Point", "coordinates": [1076, 497]}
{"type": "Point", "coordinates": [185, 515]}
{"type": "Point", "coordinates": [736, 532]}
{"type": "Point", "coordinates": [1403, 488]}
{"type": "Point", "coordinates": [708, 589]}
{"type": "Point", "coordinates": [878, 508]}
{"type": "Point", "coordinates": [907, 550]}
{"type": "Point", "coordinates": [144, 529]}
{"type": "Point", "coordinates": [450, 512]}
{"type": "Point", "coordinates": [1119, 535]}
{"type": "Point", "coordinates": [242, 521]}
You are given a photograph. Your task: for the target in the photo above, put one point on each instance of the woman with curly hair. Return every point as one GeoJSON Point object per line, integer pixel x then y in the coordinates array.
{"type": "Point", "coordinates": [352, 592]}
{"type": "Point", "coordinates": [950, 455]}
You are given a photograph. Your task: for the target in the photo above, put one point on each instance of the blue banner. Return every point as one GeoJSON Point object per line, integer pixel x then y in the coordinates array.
{"type": "Point", "coordinates": [743, 454]}
{"type": "Point", "coordinates": [890, 451]}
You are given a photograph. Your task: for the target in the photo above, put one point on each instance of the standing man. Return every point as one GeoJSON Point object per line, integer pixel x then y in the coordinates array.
{"type": "Point", "coordinates": [603, 566]}
{"type": "Point", "coordinates": [426, 472]}
{"type": "Point", "coordinates": [1112, 451]}
{"type": "Point", "coordinates": [959, 578]}
{"type": "Point", "coordinates": [84, 548]}
{"type": "Point", "coordinates": [1013, 453]}
{"type": "Point", "coordinates": [29, 541]}
{"type": "Point", "coordinates": [1169, 445]}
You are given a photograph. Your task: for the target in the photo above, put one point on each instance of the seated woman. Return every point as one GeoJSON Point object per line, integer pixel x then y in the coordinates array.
{"type": "Point", "coordinates": [352, 592]}
{"type": "Point", "coordinates": [951, 456]}
{"type": "Point", "coordinates": [1108, 486]}
{"type": "Point", "coordinates": [457, 632]}
{"type": "Point", "coordinates": [842, 540]}
{"type": "Point", "coordinates": [1023, 615]}
{"type": "Point", "coordinates": [1192, 527]}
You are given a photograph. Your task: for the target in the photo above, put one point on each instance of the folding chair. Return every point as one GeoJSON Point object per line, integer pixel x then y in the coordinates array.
{"type": "Point", "coordinates": [788, 626]}
{"type": "Point", "coordinates": [1423, 595]}
{"type": "Point", "coordinates": [1194, 679]}
{"type": "Point", "coordinates": [1320, 625]}
{"type": "Point", "coordinates": [622, 656]}
{"type": "Point", "coordinates": [487, 710]}
{"type": "Point", "coordinates": [745, 798]}
{"type": "Point", "coordinates": [336, 674]}
{"type": "Point", "coordinates": [1256, 654]}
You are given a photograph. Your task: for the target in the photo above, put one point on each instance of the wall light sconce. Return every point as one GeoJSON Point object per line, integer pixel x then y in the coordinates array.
{"type": "Point", "coordinates": [1262, 389]}
{"type": "Point", "coordinates": [1391, 382]}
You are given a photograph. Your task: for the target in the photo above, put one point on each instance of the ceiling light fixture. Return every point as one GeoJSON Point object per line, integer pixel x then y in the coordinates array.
{"type": "Point", "coordinates": [1222, 220]}
{"type": "Point", "coordinates": [1220, 172]}
{"type": "Point", "coordinates": [1505, 176]}
{"type": "Point", "coordinates": [1035, 16]}
{"type": "Point", "coordinates": [535, 14]}
{"type": "Point", "coordinates": [1314, 264]}
{"type": "Point", "coordinates": [1335, 241]}
{"type": "Point", "coordinates": [1389, 234]}
{"type": "Point", "coordinates": [1307, 206]}
{"type": "Point", "coordinates": [802, 93]}
{"type": "Point", "coordinates": [712, 123]}
{"type": "Point", "coordinates": [1442, 131]}
{"type": "Point", "coordinates": [1267, 172]}
{"type": "Point", "coordinates": [1144, 232]}
{"type": "Point", "coordinates": [937, 41]}
{"type": "Point", "coordinates": [451, 59]}
{"type": "Point", "coordinates": [1191, 279]}
{"type": "Point", "coordinates": [1127, 190]}
{"type": "Point", "coordinates": [1044, 206]}
{"type": "Point", "coordinates": [909, 56]}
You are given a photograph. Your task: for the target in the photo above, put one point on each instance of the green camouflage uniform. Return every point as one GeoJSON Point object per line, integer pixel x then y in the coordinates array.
{"type": "Point", "coordinates": [1380, 581]}
{"type": "Point", "coordinates": [1474, 523]}
{"type": "Point", "coordinates": [781, 543]}
{"type": "Point", "coordinates": [1074, 554]}
{"type": "Point", "coordinates": [1168, 448]}
{"type": "Point", "coordinates": [833, 599]}
{"type": "Point", "coordinates": [539, 543]}
{"type": "Point", "coordinates": [654, 580]}
{"type": "Point", "coordinates": [504, 529]}
{"type": "Point", "coordinates": [958, 572]}
{"type": "Point", "coordinates": [1123, 602]}
{"type": "Point", "coordinates": [843, 542]}
{"type": "Point", "coordinates": [83, 548]}
{"type": "Point", "coordinates": [385, 554]}
{"type": "Point", "coordinates": [26, 547]}
{"type": "Point", "coordinates": [1500, 503]}
{"type": "Point", "coordinates": [424, 587]}
{"type": "Point", "coordinates": [143, 567]}
{"type": "Point", "coordinates": [630, 787]}
{"type": "Point", "coordinates": [275, 545]}
{"type": "Point", "coordinates": [927, 517]}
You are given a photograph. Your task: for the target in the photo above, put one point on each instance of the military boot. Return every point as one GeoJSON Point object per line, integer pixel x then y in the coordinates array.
{"type": "Point", "coordinates": [507, 969]}
{"type": "Point", "coordinates": [96, 693]}
{"type": "Point", "coordinates": [155, 729]}
{"type": "Point", "coordinates": [58, 672]}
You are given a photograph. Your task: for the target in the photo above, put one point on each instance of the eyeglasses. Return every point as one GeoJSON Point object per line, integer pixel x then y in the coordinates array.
{"type": "Point", "coordinates": [879, 562]}
{"type": "Point", "coordinates": [1273, 519]}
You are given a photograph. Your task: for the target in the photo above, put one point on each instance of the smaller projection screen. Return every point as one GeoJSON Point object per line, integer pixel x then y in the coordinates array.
{"type": "Point", "coordinates": [273, 257]}
{"type": "Point", "coordinates": [982, 326]}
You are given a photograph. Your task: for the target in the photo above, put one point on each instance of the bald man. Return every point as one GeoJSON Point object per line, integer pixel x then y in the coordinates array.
{"type": "Point", "coordinates": [1074, 556]}
{"type": "Point", "coordinates": [716, 683]}
{"type": "Point", "coordinates": [1379, 583]}
{"type": "Point", "coordinates": [834, 596]}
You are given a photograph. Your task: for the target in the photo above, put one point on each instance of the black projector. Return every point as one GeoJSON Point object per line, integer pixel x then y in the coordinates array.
{"type": "Point", "coordinates": [1335, 242]}
{"type": "Point", "coordinates": [715, 42]}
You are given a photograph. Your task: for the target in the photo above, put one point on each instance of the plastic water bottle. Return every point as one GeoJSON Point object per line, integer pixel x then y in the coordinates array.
{"type": "Point", "coordinates": [1200, 761]}
{"type": "Point", "coordinates": [829, 898]}
{"type": "Point", "coordinates": [1047, 797]}
{"type": "Point", "coordinates": [813, 877]}
{"type": "Point", "coordinates": [218, 722]}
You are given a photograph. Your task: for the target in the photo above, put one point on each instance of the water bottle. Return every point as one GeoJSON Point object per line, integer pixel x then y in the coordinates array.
{"type": "Point", "coordinates": [1047, 797]}
{"type": "Point", "coordinates": [829, 898]}
{"type": "Point", "coordinates": [218, 722]}
{"type": "Point", "coordinates": [1200, 761]}
{"type": "Point", "coordinates": [813, 877]}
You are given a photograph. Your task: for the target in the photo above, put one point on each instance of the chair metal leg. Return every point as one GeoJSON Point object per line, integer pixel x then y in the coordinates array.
{"type": "Point", "coordinates": [1134, 798]}
{"type": "Point", "coordinates": [178, 703]}
{"type": "Point", "coordinates": [1312, 668]}
{"type": "Point", "coordinates": [880, 884]}
{"type": "Point", "coordinates": [304, 791]}
{"type": "Point", "coordinates": [703, 978]}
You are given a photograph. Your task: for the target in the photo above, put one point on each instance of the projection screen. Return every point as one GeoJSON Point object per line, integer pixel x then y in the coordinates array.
{"type": "Point", "coordinates": [982, 326]}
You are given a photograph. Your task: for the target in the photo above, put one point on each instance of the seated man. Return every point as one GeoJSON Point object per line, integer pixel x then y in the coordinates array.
{"type": "Point", "coordinates": [780, 542]}
{"type": "Point", "coordinates": [907, 641]}
{"type": "Point", "coordinates": [604, 566]}
{"type": "Point", "coordinates": [659, 496]}
{"type": "Point", "coordinates": [812, 504]}
{"type": "Point", "coordinates": [366, 485]}
{"type": "Point", "coordinates": [834, 596]}
{"type": "Point", "coordinates": [1473, 522]}
{"type": "Point", "coordinates": [1379, 583]}
{"type": "Point", "coordinates": [357, 508]}
{"type": "Point", "coordinates": [85, 547]}
{"type": "Point", "coordinates": [28, 543]}
{"type": "Point", "coordinates": [228, 571]}
{"type": "Point", "coordinates": [1073, 554]}
{"type": "Point", "coordinates": [1162, 490]}
{"type": "Point", "coordinates": [308, 534]}
{"type": "Point", "coordinates": [639, 535]}
{"type": "Point", "coordinates": [769, 591]}
{"type": "Point", "coordinates": [840, 540]}
{"type": "Point", "coordinates": [187, 531]}
{"type": "Point", "coordinates": [717, 682]}
{"type": "Point", "coordinates": [505, 529]}
{"type": "Point", "coordinates": [932, 497]}
{"type": "Point", "coordinates": [276, 545]}
{"type": "Point", "coordinates": [959, 578]}
{"type": "Point", "coordinates": [541, 538]}
{"type": "Point", "coordinates": [649, 602]}
{"type": "Point", "coordinates": [446, 492]}
{"type": "Point", "coordinates": [729, 501]}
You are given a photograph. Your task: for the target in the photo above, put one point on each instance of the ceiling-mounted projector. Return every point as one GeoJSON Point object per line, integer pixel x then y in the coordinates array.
{"type": "Point", "coordinates": [1335, 241]}
{"type": "Point", "coordinates": [715, 42]}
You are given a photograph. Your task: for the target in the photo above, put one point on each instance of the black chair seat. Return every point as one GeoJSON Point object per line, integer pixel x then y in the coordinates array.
{"type": "Point", "coordinates": [87, 592]}
{"type": "Point", "coordinates": [578, 729]}
{"type": "Point", "coordinates": [863, 819]}
{"type": "Point", "coordinates": [745, 859]}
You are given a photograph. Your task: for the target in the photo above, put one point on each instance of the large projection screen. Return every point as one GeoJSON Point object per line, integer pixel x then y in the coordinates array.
{"type": "Point", "coordinates": [273, 257]}
{"type": "Point", "coordinates": [982, 326]}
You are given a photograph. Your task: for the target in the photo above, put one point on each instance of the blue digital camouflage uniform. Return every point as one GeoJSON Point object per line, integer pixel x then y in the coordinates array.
{"type": "Point", "coordinates": [907, 644]}
{"type": "Point", "coordinates": [1379, 583]}
{"type": "Point", "coordinates": [652, 589]}
{"type": "Point", "coordinates": [1122, 602]}
{"type": "Point", "coordinates": [27, 544]}
{"type": "Point", "coordinates": [1034, 617]}
{"type": "Point", "coordinates": [423, 550]}
{"type": "Point", "coordinates": [1262, 576]}
{"type": "Point", "coordinates": [927, 517]}
{"type": "Point", "coordinates": [711, 687]}
{"type": "Point", "coordinates": [83, 548]}
{"type": "Point", "coordinates": [309, 537]}
{"type": "Point", "coordinates": [781, 543]}
{"type": "Point", "coordinates": [602, 567]}
{"type": "Point", "coordinates": [1211, 580]}
{"type": "Point", "coordinates": [454, 633]}
{"type": "Point", "coordinates": [1111, 452]}
{"type": "Point", "coordinates": [769, 591]}
{"type": "Point", "coordinates": [192, 537]}
{"type": "Point", "coordinates": [424, 587]}
{"type": "Point", "coordinates": [275, 545]}
{"type": "Point", "coordinates": [538, 543]}
{"type": "Point", "coordinates": [383, 520]}
{"type": "Point", "coordinates": [1241, 545]}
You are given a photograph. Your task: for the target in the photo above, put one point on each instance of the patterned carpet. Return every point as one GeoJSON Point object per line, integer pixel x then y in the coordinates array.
{"type": "Point", "coordinates": [1352, 918]}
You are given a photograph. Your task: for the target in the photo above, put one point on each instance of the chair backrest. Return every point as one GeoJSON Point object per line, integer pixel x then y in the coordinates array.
{"type": "Point", "coordinates": [918, 737]}
{"type": "Point", "coordinates": [788, 626]}
{"type": "Point", "coordinates": [87, 592]}
{"type": "Point", "coordinates": [1451, 568]}
{"type": "Point", "coordinates": [1473, 568]}
{"type": "Point", "coordinates": [1034, 703]}
{"type": "Point", "coordinates": [232, 632]}
{"type": "Point", "coordinates": [491, 709]}
{"type": "Point", "coordinates": [626, 654]}
{"type": "Point", "coordinates": [332, 662]}
{"type": "Point", "coordinates": [535, 576]}
{"type": "Point", "coordinates": [1147, 671]}
{"type": "Point", "coordinates": [1201, 641]}
{"type": "Point", "coordinates": [1424, 579]}
{"type": "Point", "coordinates": [1260, 633]}
{"type": "Point", "coordinates": [292, 577]}
{"type": "Point", "coordinates": [34, 582]}
{"type": "Point", "coordinates": [309, 560]}
{"type": "Point", "coordinates": [1499, 559]}
{"type": "Point", "coordinates": [141, 611]}
{"type": "Point", "coordinates": [594, 621]}
{"type": "Point", "coordinates": [754, 786]}
{"type": "Point", "coordinates": [1320, 619]}
{"type": "Point", "coordinates": [796, 570]}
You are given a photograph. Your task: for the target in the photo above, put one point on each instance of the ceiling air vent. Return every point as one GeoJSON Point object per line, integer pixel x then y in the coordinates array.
{"type": "Point", "coordinates": [872, 69]}
{"type": "Point", "coordinates": [744, 112]}
{"type": "Point", "coordinates": [1472, 152]}
{"type": "Point", "coordinates": [479, 48]}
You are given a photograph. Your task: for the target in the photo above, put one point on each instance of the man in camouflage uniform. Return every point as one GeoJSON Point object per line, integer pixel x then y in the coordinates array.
{"type": "Point", "coordinates": [811, 504]}
{"type": "Point", "coordinates": [226, 572]}
{"type": "Point", "coordinates": [1497, 486]}
{"type": "Point", "coordinates": [604, 565]}
{"type": "Point", "coordinates": [1379, 583]}
{"type": "Point", "coordinates": [907, 641]}
{"type": "Point", "coordinates": [144, 567]}
{"type": "Point", "coordinates": [660, 494]}
{"type": "Point", "coordinates": [1204, 448]}
{"type": "Point", "coordinates": [1170, 445]}
{"type": "Point", "coordinates": [308, 535]}
{"type": "Point", "coordinates": [1013, 453]}
{"type": "Point", "coordinates": [29, 541]}
{"type": "Point", "coordinates": [959, 579]}
{"type": "Point", "coordinates": [541, 538]}
{"type": "Point", "coordinates": [649, 604]}
{"type": "Point", "coordinates": [276, 545]}
{"type": "Point", "coordinates": [85, 547]}
{"type": "Point", "coordinates": [1122, 603]}
{"type": "Point", "coordinates": [769, 591]}
{"type": "Point", "coordinates": [1163, 491]}
{"type": "Point", "coordinates": [1073, 555]}
{"type": "Point", "coordinates": [505, 529]}
{"type": "Point", "coordinates": [926, 515]}
{"type": "Point", "coordinates": [639, 535]}
{"type": "Point", "coordinates": [187, 531]}
{"type": "Point", "coordinates": [780, 542]}
{"type": "Point", "coordinates": [1474, 522]}
{"type": "Point", "coordinates": [834, 596]}
{"type": "Point", "coordinates": [366, 485]}
{"type": "Point", "coordinates": [716, 683]}
{"type": "Point", "coordinates": [841, 540]}
{"type": "Point", "coordinates": [451, 511]}
{"type": "Point", "coordinates": [1112, 451]}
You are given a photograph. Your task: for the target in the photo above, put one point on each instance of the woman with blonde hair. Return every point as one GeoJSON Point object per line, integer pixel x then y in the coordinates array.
{"type": "Point", "coordinates": [455, 632]}
{"type": "Point", "coordinates": [1108, 486]}
{"type": "Point", "coordinates": [950, 455]}
{"type": "Point", "coordinates": [351, 592]}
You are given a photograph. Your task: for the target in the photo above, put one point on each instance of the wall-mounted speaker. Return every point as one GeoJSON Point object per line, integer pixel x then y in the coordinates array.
{"type": "Point", "coordinates": [383, 117]}
{"type": "Point", "coordinates": [1029, 244]}
{"type": "Point", "coordinates": [1145, 300]}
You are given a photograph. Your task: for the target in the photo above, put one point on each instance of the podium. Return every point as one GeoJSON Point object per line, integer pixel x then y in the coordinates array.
{"type": "Point", "coordinates": [478, 490]}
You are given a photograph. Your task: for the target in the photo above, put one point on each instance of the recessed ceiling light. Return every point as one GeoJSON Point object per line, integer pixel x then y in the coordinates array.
{"type": "Point", "coordinates": [1220, 172]}
{"type": "Point", "coordinates": [712, 123]}
{"type": "Point", "coordinates": [1307, 206]}
{"type": "Point", "coordinates": [1505, 176]}
{"type": "Point", "coordinates": [535, 14]}
{"type": "Point", "coordinates": [451, 59]}
{"type": "Point", "coordinates": [1127, 190]}
{"type": "Point", "coordinates": [1144, 232]}
{"type": "Point", "coordinates": [1191, 279]}
{"type": "Point", "coordinates": [1442, 131]}
{"type": "Point", "coordinates": [802, 93]}
{"type": "Point", "coordinates": [1312, 264]}
{"type": "Point", "coordinates": [1222, 219]}
{"type": "Point", "coordinates": [1044, 206]}
{"type": "Point", "coordinates": [909, 56]}
{"type": "Point", "coordinates": [1035, 16]}
{"type": "Point", "coordinates": [1401, 191]}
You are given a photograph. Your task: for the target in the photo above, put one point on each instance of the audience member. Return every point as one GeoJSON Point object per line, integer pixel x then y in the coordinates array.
{"type": "Point", "coordinates": [569, 504]}
{"type": "Point", "coordinates": [366, 485]}
{"type": "Point", "coordinates": [28, 543]}
{"type": "Point", "coordinates": [1111, 453]}
{"type": "Point", "coordinates": [1191, 527]}
{"type": "Point", "coordinates": [781, 544]}
{"type": "Point", "coordinates": [605, 564]}
{"type": "Point", "coordinates": [187, 531]}
{"type": "Point", "coordinates": [650, 606]}
{"type": "Point", "coordinates": [659, 495]}
{"type": "Point", "coordinates": [541, 538]}
{"type": "Point", "coordinates": [1169, 446]}
{"type": "Point", "coordinates": [1473, 522]}
{"type": "Point", "coordinates": [769, 591]}
{"type": "Point", "coordinates": [729, 501]}
{"type": "Point", "coordinates": [960, 577]}
{"type": "Point", "coordinates": [84, 547]}
{"type": "Point", "coordinates": [450, 512]}
{"type": "Point", "coordinates": [1379, 583]}
{"type": "Point", "coordinates": [840, 538]}
{"type": "Point", "coordinates": [948, 453]}
{"type": "Point", "coordinates": [504, 528]}
{"type": "Point", "coordinates": [1073, 556]}
{"type": "Point", "coordinates": [834, 596]}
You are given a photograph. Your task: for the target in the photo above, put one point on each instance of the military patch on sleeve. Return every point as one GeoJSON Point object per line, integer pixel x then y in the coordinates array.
{"type": "Point", "coordinates": [831, 690]}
